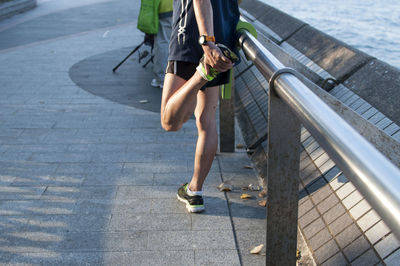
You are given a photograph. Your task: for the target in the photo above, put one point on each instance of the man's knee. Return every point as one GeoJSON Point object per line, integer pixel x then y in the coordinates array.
{"type": "Point", "coordinates": [171, 126]}
{"type": "Point", "coordinates": [205, 122]}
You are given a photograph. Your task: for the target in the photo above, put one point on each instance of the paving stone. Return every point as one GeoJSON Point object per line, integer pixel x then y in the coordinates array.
{"type": "Point", "coordinates": [143, 258]}
{"type": "Point", "coordinates": [84, 192]}
{"type": "Point", "coordinates": [320, 239]}
{"type": "Point", "coordinates": [309, 217]}
{"type": "Point", "coordinates": [316, 185]}
{"type": "Point", "coordinates": [393, 259]}
{"type": "Point", "coordinates": [103, 241]}
{"type": "Point", "coordinates": [345, 190]}
{"type": "Point", "coordinates": [251, 259]}
{"type": "Point", "coordinates": [352, 199]}
{"type": "Point", "coordinates": [216, 257]}
{"type": "Point", "coordinates": [14, 223]}
{"type": "Point", "coordinates": [336, 260]}
{"type": "Point", "coordinates": [211, 221]}
{"type": "Point", "coordinates": [340, 224]}
{"type": "Point", "coordinates": [146, 221]}
{"type": "Point", "coordinates": [103, 206]}
{"type": "Point", "coordinates": [334, 213]}
{"type": "Point", "coordinates": [36, 207]}
{"type": "Point", "coordinates": [326, 167]}
{"type": "Point", "coordinates": [176, 179]}
{"type": "Point", "coordinates": [368, 220]}
{"type": "Point", "coordinates": [368, 258]}
{"type": "Point", "coordinates": [321, 194]}
{"type": "Point", "coordinates": [146, 192]}
{"type": "Point", "coordinates": [356, 248]}
{"type": "Point", "coordinates": [15, 193]}
{"type": "Point", "coordinates": [326, 251]}
{"type": "Point", "coordinates": [360, 209]}
{"type": "Point", "coordinates": [348, 235]}
{"type": "Point", "coordinates": [62, 223]}
{"type": "Point", "coordinates": [328, 203]}
{"type": "Point", "coordinates": [167, 167]}
{"type": "Point", "coordinates": [248, 239]}
{"type": "Point", "coordinates": [61, 157]}
{"type": "Point", "coordinates": [305, 207]}
{"type": "Point", "coordinates": [377, 232]}
{"type": "Point", "coordinates": [118, 179]}
{"type": "Point", "coordinates": [191, 240]}
{"type": "Point", "coordinates": [313, 228]}
{"type": "Point", "coordinates": [338, 182]}
{"type": "Point", "coordinates": [387, 245]}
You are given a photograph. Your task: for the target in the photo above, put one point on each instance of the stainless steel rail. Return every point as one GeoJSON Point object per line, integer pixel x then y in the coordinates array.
{"type": "Point", "coordinates": [377, 179]}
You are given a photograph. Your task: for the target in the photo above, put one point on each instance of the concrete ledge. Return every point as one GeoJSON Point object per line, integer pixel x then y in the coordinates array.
{"type": "Point", "coordinates": [254, 7]}
{"type": "Point", "coordinates": [9, 9]}
{"type": "Point", "coordinates": [281, 23]}
{"type": "Point", "coordinates": [337, 58]}
{"type": "Point", "coordinates": [379, 83]}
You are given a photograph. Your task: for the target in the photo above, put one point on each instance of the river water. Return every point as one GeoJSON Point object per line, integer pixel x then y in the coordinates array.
{"type": "Point", "coordinates": [372, 26]}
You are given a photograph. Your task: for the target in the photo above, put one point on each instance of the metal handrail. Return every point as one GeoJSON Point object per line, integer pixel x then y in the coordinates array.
{"type": "Point", "coordinates": [374, 175]}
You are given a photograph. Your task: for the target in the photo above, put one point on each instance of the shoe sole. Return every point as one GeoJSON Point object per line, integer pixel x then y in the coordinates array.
{"type": "Point", "coordinates": [188, 207]}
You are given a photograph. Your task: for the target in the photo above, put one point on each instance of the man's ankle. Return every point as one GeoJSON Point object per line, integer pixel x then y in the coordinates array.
{"type": "Point", "coordinates": [194, 188]}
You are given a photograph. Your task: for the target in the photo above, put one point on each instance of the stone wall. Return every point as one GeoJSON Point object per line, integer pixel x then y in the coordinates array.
{"type": "Point", "coordinates": [11, 8]}
{"type": "Point", "coordinates": [339, 225]}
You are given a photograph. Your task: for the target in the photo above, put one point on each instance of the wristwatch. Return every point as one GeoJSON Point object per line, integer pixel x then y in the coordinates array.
{"type": "Point", "coordinates": [203, 39]}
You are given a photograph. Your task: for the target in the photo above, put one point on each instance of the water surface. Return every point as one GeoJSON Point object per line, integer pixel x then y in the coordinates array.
{"type": "Point", "coordinates": [371, 26]}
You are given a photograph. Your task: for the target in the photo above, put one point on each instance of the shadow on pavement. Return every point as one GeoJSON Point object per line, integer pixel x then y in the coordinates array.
{"type": "Point", "coordinates": [129, 85]}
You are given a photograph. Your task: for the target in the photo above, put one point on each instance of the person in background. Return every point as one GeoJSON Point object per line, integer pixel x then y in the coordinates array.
{"type": "Point", "coordinates": [197, 65]}
{"type": "Point", "coordinates": [161, 42]}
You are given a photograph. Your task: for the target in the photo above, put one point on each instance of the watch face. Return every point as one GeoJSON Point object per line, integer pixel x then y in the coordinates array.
{"type": "Point", "coordinates": [202, 40]}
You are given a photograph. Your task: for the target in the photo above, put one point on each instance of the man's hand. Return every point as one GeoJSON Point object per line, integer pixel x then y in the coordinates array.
{"type": "Point", "coordinates": [213, 57]}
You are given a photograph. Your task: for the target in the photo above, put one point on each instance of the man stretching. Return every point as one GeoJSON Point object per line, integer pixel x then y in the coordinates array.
{"type": "Point", "coordinates": [197, 65]}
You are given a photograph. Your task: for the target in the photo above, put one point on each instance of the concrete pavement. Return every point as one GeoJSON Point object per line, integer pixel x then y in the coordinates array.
{"type": "Point", "coordinates": [87, 175]}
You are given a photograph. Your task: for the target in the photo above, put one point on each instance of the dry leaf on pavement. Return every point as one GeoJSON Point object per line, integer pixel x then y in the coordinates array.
{"type": "Point", "coordinates": [262, 194]}
{"type": "Point", "coordinates": [239, 146]}
{"type": "Point", "coordinates": [224, 187]}
{"type": "Point", "coordinates": [245, 196]}
{"type": "Point", "coordinates": [262, 203]}
{"type": "Point", "coordinates": [254, 187]}
{"type": "Point", "coordinates": [257, 249]}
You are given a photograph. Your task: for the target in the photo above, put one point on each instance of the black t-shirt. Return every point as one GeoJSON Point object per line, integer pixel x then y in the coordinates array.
{"type": "Point", "coordinates": [184, 44]}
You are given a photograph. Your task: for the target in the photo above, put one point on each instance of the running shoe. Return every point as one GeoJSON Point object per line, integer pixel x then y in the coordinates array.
{"type": "Point", "coordinates": [212, 73]}
{"type": "Point", "coordinates": [193, 203]}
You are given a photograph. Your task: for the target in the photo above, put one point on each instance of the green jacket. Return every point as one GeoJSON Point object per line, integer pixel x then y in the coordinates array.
{"type": "Point", "coordinates": [165, 6]}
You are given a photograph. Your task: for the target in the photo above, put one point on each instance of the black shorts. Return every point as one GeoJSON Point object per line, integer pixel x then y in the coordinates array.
{"type": "Point", "coordinates": [186, 70]}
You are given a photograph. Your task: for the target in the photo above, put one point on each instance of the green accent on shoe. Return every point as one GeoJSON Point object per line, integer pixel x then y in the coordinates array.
{"type": "Point", "coordinates": [212, 73]}
{"type": "Point", "coordinates": [193, 203]}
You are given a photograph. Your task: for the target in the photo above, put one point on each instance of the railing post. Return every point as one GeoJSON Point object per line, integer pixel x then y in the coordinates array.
{"type": "Point", "coordinates": [227, 123]}
{"type": "Point", "coordinates": [282, 183]}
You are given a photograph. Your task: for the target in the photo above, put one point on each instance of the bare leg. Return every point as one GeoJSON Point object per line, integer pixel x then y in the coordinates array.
{"type": "Point", "coordinates": [179, 100]}
{"type": "Point", "coordinates": [207, 140]}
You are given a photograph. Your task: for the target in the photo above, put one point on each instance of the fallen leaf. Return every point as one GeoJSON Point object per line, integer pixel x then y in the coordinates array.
{"type": "Point", "coordinates": [245, 196]}
{"type": "Point", "coordinates": [143, 101]}
{"type": "Point", "coordinates": [262, 203]}
{"type": "Point", "coordinates": [298, 254]}
{"type": "Point", "coordinates": [254, 187]}
{"type": "Point", "coordinates": [257, 249]}
{"type": "Point", "coordinates": [262, 194]}
{"type": "Point", "coordinates": [248, 167]}
{"type": "Point", "coordinates": [239, 146]}
{"type": "Point", "coordinates": [224, 187]}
